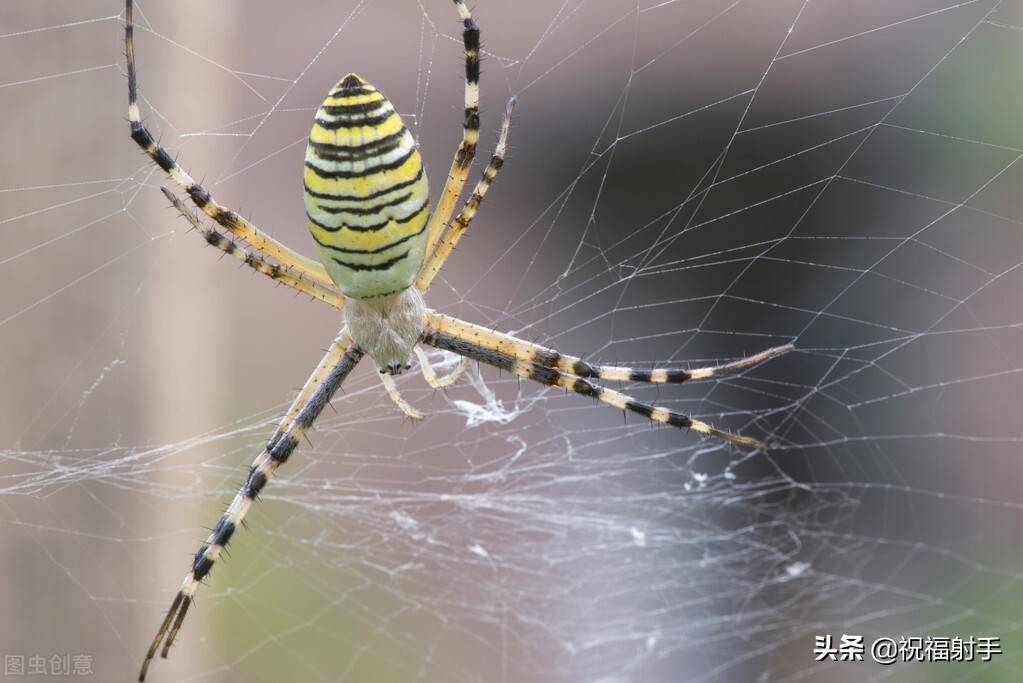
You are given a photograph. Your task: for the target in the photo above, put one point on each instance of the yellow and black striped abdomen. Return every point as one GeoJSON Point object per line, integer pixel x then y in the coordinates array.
{"type": "Point", "coordinates": [366, 195]}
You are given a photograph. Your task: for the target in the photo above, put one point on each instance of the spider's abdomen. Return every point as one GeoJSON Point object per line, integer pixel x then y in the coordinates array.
{"type": "Point", "coordinates": [366, 195]}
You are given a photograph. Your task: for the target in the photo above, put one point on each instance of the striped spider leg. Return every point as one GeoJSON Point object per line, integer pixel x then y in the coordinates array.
{"type": "Point", "coordinates": [235, 224]}
{"type": "Point", "coordinates": [449, 239]}
{"type": "Point", "coordinates": [466, 151]}
{"type": "Point", "coordinates": [256, 259]}
{"type": "Point", "coordinates": [338, 362]}
{"type": "Point", "coordinates": [551, 368]}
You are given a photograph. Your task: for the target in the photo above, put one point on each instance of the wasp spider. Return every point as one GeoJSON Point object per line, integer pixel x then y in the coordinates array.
{"type": "Point", "coordinates": [380, 247]}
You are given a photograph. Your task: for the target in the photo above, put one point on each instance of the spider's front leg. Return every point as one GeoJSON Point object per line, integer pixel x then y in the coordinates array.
{"type": "Point", "coordinates": [339, 361]}
{"type": "Point", "coordinates": [551, 368]}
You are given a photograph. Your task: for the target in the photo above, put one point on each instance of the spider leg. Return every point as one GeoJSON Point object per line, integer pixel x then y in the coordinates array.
{"type": "Point", "coordinates": [331, 357]}
{"type": "Point", "coordinates": [231, 221]}
{"type": "Point", "coordinates": [255, 261]}
{"type": "Point", "coordinates": [470, 130]}
{"type": "Point", "coordinates": [460, 224]}
{"type": "Point", "coordinates": [677, 376]}
{"type": "Point", "coordinates": [542, 356]}
{"type": "Point", "coordinates": [545, 370]}
{"type": "Point", "coordinates": [430, 375]}
{"type": "Point", "coordinates": [340, 359]}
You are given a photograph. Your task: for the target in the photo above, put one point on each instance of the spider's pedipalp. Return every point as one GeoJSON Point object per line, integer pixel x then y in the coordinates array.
{"type": "Point", "coordinates": [430, 375]}
{"type": "Point", "coordinates": [392, 392]}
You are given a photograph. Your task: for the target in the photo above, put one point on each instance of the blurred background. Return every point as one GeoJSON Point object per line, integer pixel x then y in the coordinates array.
{"type": "Point", "coordinates": [687, 182]}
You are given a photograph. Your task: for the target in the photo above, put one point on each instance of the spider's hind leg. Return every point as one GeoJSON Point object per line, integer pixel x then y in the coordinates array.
{"type": "Point", "coordinates": [235, 224]}
{"type": "Point", "coordinates": [255, 260]}
{"type": "Point", "coordinates": [466, 150]}
{"type": "Point", "coordinates": [449, 239]}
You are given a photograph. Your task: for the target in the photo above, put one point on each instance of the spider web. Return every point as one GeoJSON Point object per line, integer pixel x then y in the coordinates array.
{"type": "Point", "coordinates": [687, 182]}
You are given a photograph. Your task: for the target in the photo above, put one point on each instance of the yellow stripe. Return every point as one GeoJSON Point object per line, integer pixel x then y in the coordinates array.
{"type": "Point", "coordinates": [356, 135]}
{"type": "Point", "coordinates": [364, 185]}
{"type": "Point", "coordinates": [367, 241]}
{"type": "Point", "coordinates": [353, 99]}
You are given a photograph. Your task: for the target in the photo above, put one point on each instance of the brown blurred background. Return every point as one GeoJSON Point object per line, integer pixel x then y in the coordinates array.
{"type": "Point", "coordinates": [687, 182]}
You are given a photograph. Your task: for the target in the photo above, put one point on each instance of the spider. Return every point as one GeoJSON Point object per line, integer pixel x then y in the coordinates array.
{"type": "Point", "coordinates": [380, 246]}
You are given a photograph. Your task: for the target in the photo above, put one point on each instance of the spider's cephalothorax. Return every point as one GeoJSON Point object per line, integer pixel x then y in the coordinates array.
{"type": "Point", "coordinates": [367, 202]}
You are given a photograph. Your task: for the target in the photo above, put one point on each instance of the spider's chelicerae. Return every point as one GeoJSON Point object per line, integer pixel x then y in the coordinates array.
{"type": "Point", "coordinates": [380, 247]}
